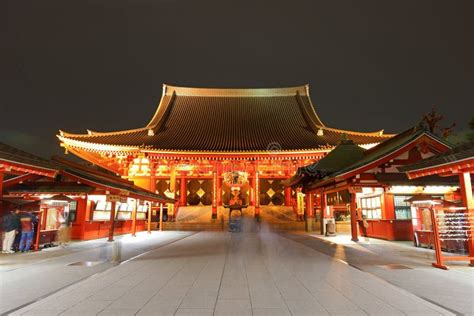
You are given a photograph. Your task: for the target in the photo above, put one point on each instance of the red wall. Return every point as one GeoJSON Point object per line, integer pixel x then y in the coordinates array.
{"type": "Point", "coordinates": [389, 229]}
{"type": "Point", "coordinates": [83, 229]}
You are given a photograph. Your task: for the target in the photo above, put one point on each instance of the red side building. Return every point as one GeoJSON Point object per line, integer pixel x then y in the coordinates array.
{"type": "Point", "coordinates": [352, 183]}
{"type": "Point", "coordinates": [96, 203]}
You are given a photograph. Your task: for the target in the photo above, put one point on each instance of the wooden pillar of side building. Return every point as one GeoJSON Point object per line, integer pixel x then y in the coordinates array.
{"type": "Point", "coordinates": [134, 218]}
{"type": "Point", "coordinates": [354, 232]}
{"type": "Point", "coordinates": [161, 216]}
{"type": "Point", "coordinates": [149, 217]}
{"type": "Point", "coordinates": [183, 190]}
{"type": "Point", "coordinates": [324, 211]}
{"type": "Point", "coordinates": [112, 221]}
{"type": "Point", "coordinates": [309, 211]}
{"type": "Point", "coordinates": [1, 190]}
{"type": "Point", "coordinates": [468, 203]}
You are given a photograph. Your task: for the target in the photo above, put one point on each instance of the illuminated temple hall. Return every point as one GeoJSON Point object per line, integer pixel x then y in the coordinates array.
{"type": "Point", "coordinates": [201, 143]}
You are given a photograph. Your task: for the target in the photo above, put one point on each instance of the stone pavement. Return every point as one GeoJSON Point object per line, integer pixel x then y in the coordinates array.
{"type": "Point", "coordinates": [402, 264]}
{"type": "Point", "coordinates": [220, 273]}
{"type": "Point", "coordinates": [27, 277]}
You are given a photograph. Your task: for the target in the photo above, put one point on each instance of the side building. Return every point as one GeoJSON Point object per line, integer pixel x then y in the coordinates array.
{"type": "Point", "coordinates": [92, 203]}
{"type": "Point", "coordinates": [352, 184]}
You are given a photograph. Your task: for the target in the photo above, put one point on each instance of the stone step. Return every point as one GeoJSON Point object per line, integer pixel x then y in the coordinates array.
{"type": "Point", "coordinates": [249, 224]}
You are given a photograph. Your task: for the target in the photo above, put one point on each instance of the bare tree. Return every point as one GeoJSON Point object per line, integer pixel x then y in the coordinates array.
{"type": "Point", "coordinates": [446, 131]}
{"type": "Point", "coordinates": [431, 121]}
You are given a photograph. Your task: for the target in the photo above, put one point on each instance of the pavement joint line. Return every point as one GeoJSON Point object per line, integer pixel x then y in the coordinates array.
{"type": "Point", "coordinates": [88, 277]}
{"type": "Point", "coordinates": [151, 250]}
{"type": "Point", "coordinates": [169, 279]}
{"type": "Point", "coordinates": [53, 258]}
{"type": "Point", "coordinates": [222, 274]}
{"type": "Point", "coordinates": [439, 305]}
{"type": "Point", "coordinates": [68, 253]}
{"type": "Point", "coordinates": [361, 288]}
{"type": "Point", "coordinates": [376, 276]}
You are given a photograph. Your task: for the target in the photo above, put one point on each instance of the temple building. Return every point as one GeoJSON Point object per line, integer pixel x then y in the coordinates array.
{"type": "Point", "coordinates": [202, 143]}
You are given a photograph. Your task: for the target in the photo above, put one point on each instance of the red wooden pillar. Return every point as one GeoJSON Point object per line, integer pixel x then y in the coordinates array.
{"type": "Point", "coordinates": [309, 211]}
{"type": "Point", "coordinates": [171, 210]}
{"type": "Point", "coordinates": [1, 191]}
{"type": "Point", "coordinates": [309, 205]}
{"type": "Point", "coordinates": [219, 189]}
{"type": "Point", "coordinates": [38, 231]}
{"type": "Point", "coordinates": [287, 191]}
{"type": "Point", "coordinates": [354, 232]}
{"type": "Point", "coordinates": [134, 218]}
{"type": "Point", "coordinates": [214, 193]}
{"type": "Point", "coordinates": [153, 178]}
{"type": "Point", "coordinates": [149, 217]}
{"type": "Point", "coordinates": [161, 216]}
{"type": "Point", "coordinates": [257, 191]}
{"type": "Point", "coordinates": [183, 190]}
{"type": "Point", "coordinates": [323, 203]}
{"type": "Point", "coordinates": [468, 202]}
{"type": "Point", "coordinates": [287, 196]}
{"type": "Point", "coordinates": [112, 222]}
{"type": "Point", "coordinates": [252, 189]}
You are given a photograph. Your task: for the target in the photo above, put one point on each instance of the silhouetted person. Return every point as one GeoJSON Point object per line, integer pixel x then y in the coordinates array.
{"type": "Point", "coordinates": [27, 221]}
{"type": "Point", "coordinates": [11, 226]}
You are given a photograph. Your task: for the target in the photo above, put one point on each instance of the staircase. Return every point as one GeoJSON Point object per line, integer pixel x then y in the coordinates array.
{"type": "Point", "coordinates": [198, 218]}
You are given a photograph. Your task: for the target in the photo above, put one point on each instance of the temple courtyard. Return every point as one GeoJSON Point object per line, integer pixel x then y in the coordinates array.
{"type": "Point", "coordinates": [254, 272]}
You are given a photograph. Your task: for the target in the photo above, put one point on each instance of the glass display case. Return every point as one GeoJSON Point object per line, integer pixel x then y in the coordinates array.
{"type": "Point", "coordinates": [102, 211]}
{"type": "Point", "coordinates": [124, 213]}
{"type": "Point", "coordinates": [371, 207]}
{"type": "Point", "coordinates": [142, 212]}
{"type": "Point", "coordinates": [123, 210]}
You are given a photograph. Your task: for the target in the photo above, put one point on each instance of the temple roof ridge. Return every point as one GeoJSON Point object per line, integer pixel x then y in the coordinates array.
{"type": "Point", "coordinates": [344, 131]}
{"type": "Point", "coordinates": [235, 92]}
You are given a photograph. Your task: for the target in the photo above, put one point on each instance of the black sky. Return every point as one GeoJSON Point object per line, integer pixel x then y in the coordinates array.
{"type": "Point", "coordinates": [100, 64]}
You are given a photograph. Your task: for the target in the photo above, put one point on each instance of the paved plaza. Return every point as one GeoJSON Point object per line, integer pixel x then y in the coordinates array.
{"type": "Point", "coordinates": [220, 273]}
{"type": "Point", "coordinates": [24, 278]}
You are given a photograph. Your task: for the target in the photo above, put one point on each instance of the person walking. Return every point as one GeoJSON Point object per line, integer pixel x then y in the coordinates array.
{"type": "Point", "coordinates": [27, 221]}
{"type": "Point", "coordinates": [64, 230]}
{"type": "Point", "coordinates": [365, 226]}
{"type": "Point", "coordinates": [11, 225]}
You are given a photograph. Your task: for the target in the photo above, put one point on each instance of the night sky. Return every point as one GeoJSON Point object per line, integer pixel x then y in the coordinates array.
{"type": "Point", "coordinates": [100, 64]}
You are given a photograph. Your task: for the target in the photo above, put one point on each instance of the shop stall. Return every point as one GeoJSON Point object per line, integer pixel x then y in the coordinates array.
{"type": "Point", "coordinates": [74, 201]}
{"type": "Point", "coordinates": [364, 192]}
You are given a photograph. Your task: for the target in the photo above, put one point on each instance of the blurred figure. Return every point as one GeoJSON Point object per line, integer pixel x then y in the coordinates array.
{"type": "Point", "coordinates": [27, 221]}
{"type": "Point", "coordinates": [64, 234]}
{"type": "Point", "coordinates": [11, 226]}
{"type": "Point", "coordinates": [116, 252]}
{"type": "Point", "coordinates": [365, 225]}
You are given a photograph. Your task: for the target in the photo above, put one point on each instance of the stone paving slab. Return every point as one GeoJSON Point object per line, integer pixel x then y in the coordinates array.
{"type": "Point", "coordinates": [452, 289]}
{"type": "Point", "coordinates": [26, 277]}
{"type": "Point", "coordinates": [203, 274]}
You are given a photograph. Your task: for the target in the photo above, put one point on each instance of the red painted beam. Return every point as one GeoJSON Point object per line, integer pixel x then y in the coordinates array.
{"type": "Point", "coordinates": [19, 179]}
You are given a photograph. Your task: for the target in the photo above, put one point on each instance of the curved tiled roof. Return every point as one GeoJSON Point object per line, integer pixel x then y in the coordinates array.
{"type": "Point", "coordinates": [460, 153]}
{"type": "Point", "coordinates": [12, 154]}
{"type": "Point", "coordinates": [230, 120]}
